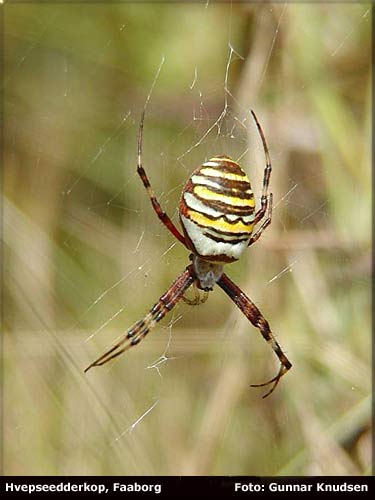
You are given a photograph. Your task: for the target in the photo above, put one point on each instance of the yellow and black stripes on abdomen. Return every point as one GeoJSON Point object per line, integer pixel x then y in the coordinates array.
{"type": "Point", "coordinates": [217, 207]}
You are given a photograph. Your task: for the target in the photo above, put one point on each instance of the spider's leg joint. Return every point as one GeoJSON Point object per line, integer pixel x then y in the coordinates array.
{"type": "Point", "coordinates": [257, 319]}
{"type": "Point", "coordinates": [141, 328]}
{"type": "Point", "coordinates": [136, 340]}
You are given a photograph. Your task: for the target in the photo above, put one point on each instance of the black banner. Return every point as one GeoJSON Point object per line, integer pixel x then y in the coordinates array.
{"type": "Point", "coordinates": [174, 487]}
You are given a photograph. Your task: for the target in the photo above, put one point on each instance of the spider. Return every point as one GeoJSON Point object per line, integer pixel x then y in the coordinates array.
{"type": "Point", "coordinates": [217, 214]}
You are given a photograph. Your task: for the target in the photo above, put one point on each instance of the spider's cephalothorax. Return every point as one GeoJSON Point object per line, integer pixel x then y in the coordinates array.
{"type": "Point", "coordinates": [217, 210]}
{"type": "Point", "coordinates": [217, 213]}
{"type": "Point", "coordinates": [207, 273]}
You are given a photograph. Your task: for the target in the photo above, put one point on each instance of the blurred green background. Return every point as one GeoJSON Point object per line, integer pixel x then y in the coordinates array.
{"type": "Point", "coordinates": [85, 255]}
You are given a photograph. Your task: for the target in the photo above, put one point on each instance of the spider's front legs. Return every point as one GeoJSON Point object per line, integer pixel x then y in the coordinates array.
{"type": "Point", "coordinates": [140, 329]}
{"type": "Point", "coordinates": [251, 311]}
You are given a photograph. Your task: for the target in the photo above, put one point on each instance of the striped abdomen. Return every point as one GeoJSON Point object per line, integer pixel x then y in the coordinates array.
{"type": "Point", "coordinates": [217, 210]}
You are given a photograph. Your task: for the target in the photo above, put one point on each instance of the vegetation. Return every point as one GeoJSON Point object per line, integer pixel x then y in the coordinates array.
{"type": "Point", "coordinates": [85, 256]}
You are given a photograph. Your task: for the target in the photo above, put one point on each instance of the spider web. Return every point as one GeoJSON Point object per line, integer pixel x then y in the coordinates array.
{"type": "Point", "coordinates": [230, 126]}
{"type": "Point", "coordinates": [109, 242]}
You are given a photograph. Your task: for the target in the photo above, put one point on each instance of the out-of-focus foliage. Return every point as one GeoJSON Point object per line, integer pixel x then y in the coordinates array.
{"type": "Point", "coordinates": [85, 255]}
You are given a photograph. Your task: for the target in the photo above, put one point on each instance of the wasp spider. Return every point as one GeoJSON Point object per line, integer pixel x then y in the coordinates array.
{"type": "Point", "coordinates": [217, 214]}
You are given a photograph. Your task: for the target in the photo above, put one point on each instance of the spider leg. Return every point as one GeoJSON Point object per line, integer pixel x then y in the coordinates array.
{"type": "Point", "coordinates": [275, 380]}
{"type": "Point", "coordinates": [265, 223]}
{"type": "Point", "coordinates": [253, 314]}
{"type": "Point", "coordinates": [155, 204]}
{"type": "Point", "coordinates": [139, 330]}
{"type": "Point", "coordinates": [267, 173]}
